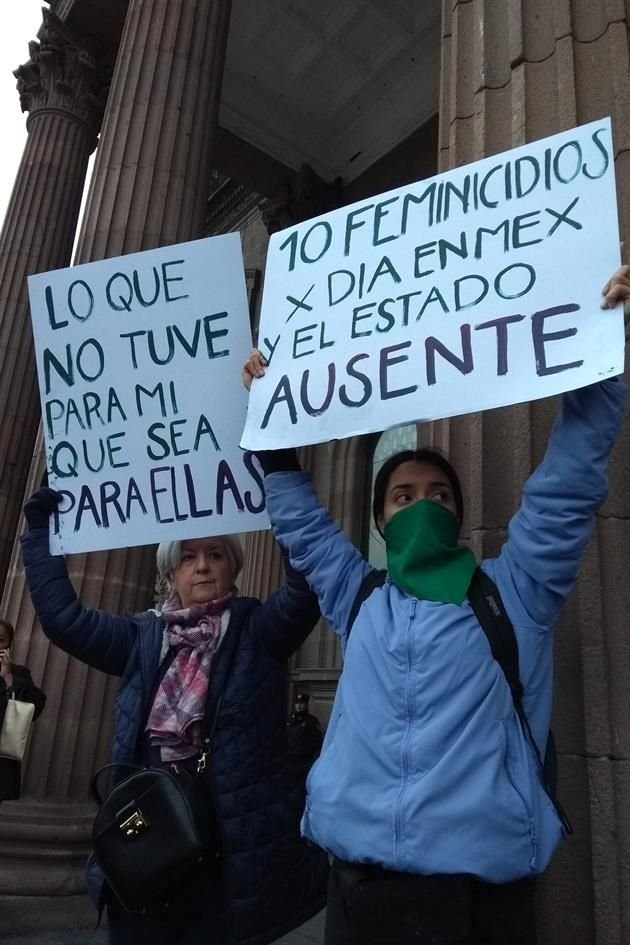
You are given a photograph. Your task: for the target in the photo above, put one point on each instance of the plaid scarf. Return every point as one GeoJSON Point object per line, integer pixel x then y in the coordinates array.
{"type": "Point", "coordinates": [194, 633]}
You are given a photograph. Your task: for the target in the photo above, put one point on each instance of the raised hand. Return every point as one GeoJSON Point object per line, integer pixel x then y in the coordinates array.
{"type": "Point", "coordinates": [253, 367]}
{"type": "Point", "coordinates": [6, 667]}
{"type": "Point", "coordinates": [617, 289]}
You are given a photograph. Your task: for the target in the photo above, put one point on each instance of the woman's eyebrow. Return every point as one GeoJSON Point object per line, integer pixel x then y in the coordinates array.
{"type": "Point", "coordinates": [437, 483]}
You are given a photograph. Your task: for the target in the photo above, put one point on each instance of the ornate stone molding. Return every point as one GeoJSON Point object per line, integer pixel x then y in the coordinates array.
{"type": "Point", "coordinates": [306, 196]}
{"type": "Point", "coordinates": [64, 73]}
{"type": "Point", "coordinates": [228, 204]}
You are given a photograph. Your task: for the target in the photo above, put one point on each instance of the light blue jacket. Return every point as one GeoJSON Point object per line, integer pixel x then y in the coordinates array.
{"type": "Point", "coordinates": [424, 766]}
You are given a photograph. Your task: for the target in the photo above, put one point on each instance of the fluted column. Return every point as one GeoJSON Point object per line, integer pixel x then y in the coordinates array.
{"type": "Point", "coordinates": [511, 73]}
{"type": "Point", "coordinates": [303, 196]}
{"type": "Point", "coordinates": [61, 89]}
{"type": "Point", "coordinates": [152, 175]}
{"type": "Point", "coordinates": [150, 185]}
{"type": "Point", "coordinates": [148, 189]}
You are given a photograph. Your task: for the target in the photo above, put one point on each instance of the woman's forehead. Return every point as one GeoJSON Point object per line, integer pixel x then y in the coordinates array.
{"type": "Point", "coordinates": [414, 470]}
{"type": "Point", "coordinates": [202, 544]}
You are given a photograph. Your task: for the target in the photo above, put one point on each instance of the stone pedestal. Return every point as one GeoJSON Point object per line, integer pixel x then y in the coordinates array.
{"type": "Point", "coordinates": [511, 73]}
{"type": "Point", "coordinates": [149, 188]}
{"type": "Point", "coordinates": [61, 87]}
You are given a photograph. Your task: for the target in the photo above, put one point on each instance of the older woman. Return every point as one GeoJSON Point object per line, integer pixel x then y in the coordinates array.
{"type": "Point", "coordinates": [205, 640]}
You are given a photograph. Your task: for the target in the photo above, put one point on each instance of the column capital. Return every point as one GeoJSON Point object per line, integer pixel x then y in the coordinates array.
{"type": "Point", "coordinates": [64, 74]}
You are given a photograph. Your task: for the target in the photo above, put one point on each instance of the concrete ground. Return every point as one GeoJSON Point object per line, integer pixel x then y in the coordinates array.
{"type": "Point", "coordinates": [310, 934]}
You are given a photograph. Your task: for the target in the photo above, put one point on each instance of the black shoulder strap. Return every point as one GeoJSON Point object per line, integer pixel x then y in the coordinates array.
{"type": "Point", "coordinates": [488, 608]}
{"type": "Point", "coordinates": [370, 582]}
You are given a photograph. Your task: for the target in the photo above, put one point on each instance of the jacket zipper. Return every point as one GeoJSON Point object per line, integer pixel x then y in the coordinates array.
{"type": "Point", "coordinates": [520, 795]}
{"type": "Point", "coordinates": [406, 738]}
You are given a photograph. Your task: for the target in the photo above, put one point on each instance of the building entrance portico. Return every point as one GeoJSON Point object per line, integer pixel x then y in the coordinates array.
{"type": "Point", "coordinates": [220, 115]}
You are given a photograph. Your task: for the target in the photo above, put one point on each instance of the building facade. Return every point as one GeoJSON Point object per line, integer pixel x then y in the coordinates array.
{"type": "Point", "coordinates": [213, 116]}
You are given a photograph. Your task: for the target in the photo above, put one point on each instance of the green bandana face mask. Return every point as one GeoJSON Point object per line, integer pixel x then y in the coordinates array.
{"type": "Point", "coordinates": [423, 557]}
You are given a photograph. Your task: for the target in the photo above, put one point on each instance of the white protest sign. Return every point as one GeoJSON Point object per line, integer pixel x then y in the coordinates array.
{"type": "Point", "coordinates": [474, 289]}
{"type": "Point", "coordinates": [139, 363]}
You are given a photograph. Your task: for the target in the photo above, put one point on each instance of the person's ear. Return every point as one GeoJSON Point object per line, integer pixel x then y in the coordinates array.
{"type": "Point", "coordinates": [380, 523]}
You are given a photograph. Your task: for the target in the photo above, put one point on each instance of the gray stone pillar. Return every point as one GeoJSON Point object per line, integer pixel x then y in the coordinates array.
{"type": "Point", "coordinates": [61, 87]}
{"type": "Point", "coordinates": [302, 196]}
{"type": "Point", "coordinates": [511, 73]}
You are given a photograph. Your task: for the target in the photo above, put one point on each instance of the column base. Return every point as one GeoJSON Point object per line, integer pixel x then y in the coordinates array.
{"type": "Point", "coordinates": [43, 849]}
{"type": "Point", "coordinates": [46, 913]}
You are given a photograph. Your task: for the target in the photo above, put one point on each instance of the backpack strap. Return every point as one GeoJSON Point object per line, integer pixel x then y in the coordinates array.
{"type": "Point", "coordinates": [488, 608]}
{"type": "Point", "coordinates": [370, 582]}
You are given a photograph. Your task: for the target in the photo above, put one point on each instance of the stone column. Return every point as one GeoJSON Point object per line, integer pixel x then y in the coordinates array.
{"type": "Point", "coordinates": [61, 88]}
{"type": "Point", "coordinates": [150, 184]}
{"type": "Point", "coordinates": [302, 196]}
{"type": "Point", "coordinates": [152, 174]}
{"type": "Point", "coordinates": [149, 188]}
{"type": "Point", "coordinates": [511, 73]}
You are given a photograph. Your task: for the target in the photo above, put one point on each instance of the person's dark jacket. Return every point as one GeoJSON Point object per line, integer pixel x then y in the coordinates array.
{"type": "Point", "coordinates": [305, 737]}
{"type": "Point", "coordinates": [25, 690]}
{"type": "Point", "coordinates": [274, 880]}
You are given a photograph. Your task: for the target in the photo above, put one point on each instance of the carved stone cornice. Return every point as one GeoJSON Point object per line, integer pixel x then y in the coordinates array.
{"type": "Point", "coordinates": [65, 74]}
{"type": "Point", "coordinates": [229, 203]}
{"type": "Point", "coordinates": [306, 195]}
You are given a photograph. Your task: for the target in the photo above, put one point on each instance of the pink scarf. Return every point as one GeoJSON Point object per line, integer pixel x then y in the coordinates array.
{"type": "Point", "coordinates": [174, 723]}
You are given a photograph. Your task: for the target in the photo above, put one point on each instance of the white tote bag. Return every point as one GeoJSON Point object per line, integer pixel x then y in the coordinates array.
{"type": "Point", "coordinates": [15, 729]}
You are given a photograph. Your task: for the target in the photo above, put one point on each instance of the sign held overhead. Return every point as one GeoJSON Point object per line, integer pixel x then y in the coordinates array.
{"type": "Point", "coordinates": [477, 288]}
{"type": "Point", "coordinates": [139, 363]}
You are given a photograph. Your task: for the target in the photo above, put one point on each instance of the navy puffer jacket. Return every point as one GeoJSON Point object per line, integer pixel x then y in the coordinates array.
{"type": "Point", "coordinates": [273, 879]}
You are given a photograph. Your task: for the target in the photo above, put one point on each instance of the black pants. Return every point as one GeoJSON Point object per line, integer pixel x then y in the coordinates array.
{"type": "Point", "coordinates": [499, 914]}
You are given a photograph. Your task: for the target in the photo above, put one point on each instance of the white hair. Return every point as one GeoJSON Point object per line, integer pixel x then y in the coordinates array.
{"type": "Point", "coordinates": [169, 555]}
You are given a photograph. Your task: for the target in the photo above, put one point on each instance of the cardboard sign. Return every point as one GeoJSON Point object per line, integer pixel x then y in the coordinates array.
{"type": "Point", "coordinates": [477, 288]}
{"type": "Point", "coordinates": [139, 363]}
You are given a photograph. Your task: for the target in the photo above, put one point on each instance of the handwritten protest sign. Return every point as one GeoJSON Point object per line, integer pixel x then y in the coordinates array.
{"type": "Point", "coordinates": [139, 364]}
{"type": "Point", "coordinates": [474, 289]}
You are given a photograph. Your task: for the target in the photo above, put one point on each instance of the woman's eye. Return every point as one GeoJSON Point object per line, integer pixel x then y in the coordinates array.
{"type": "Point", "coordinates": [439, 497]}
{"type": "Point", "coordinates": [403, 498]}
{"type": "Point", "coordinates": [216, 556]}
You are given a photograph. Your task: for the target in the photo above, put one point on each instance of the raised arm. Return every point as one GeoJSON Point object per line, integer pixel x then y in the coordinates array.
{"type": "Point", "coordinates": [288, 615]}
{"type": "Point", "coordinates": [548, 534]}
{"type": "Point", "coordinates": [102, 640]}
{"type": "Point", "coordinates": [317, 547]}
